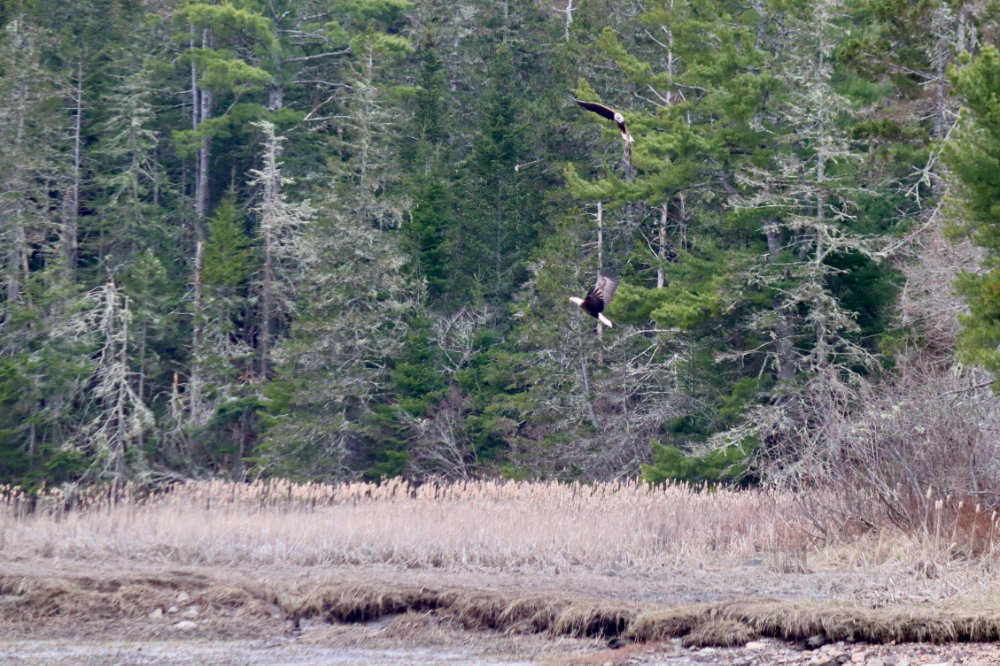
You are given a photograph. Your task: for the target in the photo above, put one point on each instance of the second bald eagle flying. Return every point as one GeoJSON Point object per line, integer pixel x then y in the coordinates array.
{"type": "Point", "coordinates": [610, 114]}
{"type": "Point", "coordinates": [598, 297]}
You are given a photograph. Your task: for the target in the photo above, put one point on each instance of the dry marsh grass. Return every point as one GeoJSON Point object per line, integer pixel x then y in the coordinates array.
{"type": "Point", "coordinates": [718, 633]}
{"type": "Point", "coordinates": [622, 527]}
{"type": "Point", "coordinates": [714, 624]}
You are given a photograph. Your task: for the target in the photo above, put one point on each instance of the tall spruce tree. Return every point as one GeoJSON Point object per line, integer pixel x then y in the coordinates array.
{"type": "Point", "coordinates": [356, 300]}
{"type": "Point", "coordinates": [225, 354]}
{"type": "Point", "coordinates": [972, 158]}
{"type": "Point", "coordinates": [426, 156]}
{"type": "Point", "coordinates": [41, 363]}
{"type": "Point", "coordinates": [500, 212]}
{"type": "Point", "coordinates": [809, 339]}
{"type": "Point", "coordinates": [280, 225]}
{"type": "Point", "coordinates": [132, 182]}
{"type": "Point", "coordinates": [225, 45]}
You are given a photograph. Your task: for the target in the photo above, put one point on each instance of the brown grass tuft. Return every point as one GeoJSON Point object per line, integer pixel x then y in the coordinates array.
{"type": "Point", "coordinates": [666, 623]}
{"type": "Point", "coordinates": [413, 625]}
{"type": "Point", "coordinates": [473, 609]}
{"type": "Point", "coordinates": [719, 633]}
{"type": "Point", "coordinates": [594, 619]}
{"type": "Point", "coordinates": [800, 620]}
{"type": "Point", "coordinates": [534, 614]}
{"type": "Point", "coordinates": [958, 620]}
{"type": "Point", "coordinates": [59, 600]}
{"type": "Point", "coordinates": [19, 585]}
{"type": "Point", "coordinates": [358, 603]}
{"type": "Point", "coordinates": [476, 609]}
{"type": "Point", "coordinates": [242, 601]}
{"type": "Point", "coordinates": [133, 600]}
{"type": "Point", "coordinates": [82, 600]}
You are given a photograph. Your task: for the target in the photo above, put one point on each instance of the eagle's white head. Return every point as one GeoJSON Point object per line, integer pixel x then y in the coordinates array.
{"type": "Point", "coordinates": [619, 118]}
{"type": "Point", "coordinates": [576, 300]}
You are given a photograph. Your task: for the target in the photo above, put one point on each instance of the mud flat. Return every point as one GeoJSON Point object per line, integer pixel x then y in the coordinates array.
{"type": "Point", "coordinates": [127, 612]}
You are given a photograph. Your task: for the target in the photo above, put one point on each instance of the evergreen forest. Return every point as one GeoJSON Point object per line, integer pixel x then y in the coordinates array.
{"type": "Point", "coordinates": [336, 239]}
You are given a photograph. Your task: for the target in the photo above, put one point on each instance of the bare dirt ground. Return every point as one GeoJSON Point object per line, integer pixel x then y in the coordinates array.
{"type": "Point", "coordinates": [128, 612]}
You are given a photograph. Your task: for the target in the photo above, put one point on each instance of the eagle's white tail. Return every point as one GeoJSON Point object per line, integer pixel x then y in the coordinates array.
{"type": "Point", "coordinates": [604, 320]}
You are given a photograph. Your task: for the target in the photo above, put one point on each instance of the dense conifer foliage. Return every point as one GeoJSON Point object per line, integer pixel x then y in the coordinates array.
{"type": "Point", "coordinates": [329, 239]}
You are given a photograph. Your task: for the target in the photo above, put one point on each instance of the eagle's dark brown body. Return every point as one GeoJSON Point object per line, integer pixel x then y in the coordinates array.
{"type": "Point", "coordinates": [598, 298]}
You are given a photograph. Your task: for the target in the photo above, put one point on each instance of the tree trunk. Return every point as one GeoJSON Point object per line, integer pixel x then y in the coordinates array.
{"type": "Point", "coordinates": [821, 155]}
{"type": "Point", "coordinates": [121, 397]}
{"type": "Point", "coordinates": [203, 103]}
{"type": "Point", "coordinates": [785, 351]}
{"type": "Point", "coordinates": [16, 252]}
{"type": "Point", "coordinates": [586, 391]}
{"type": "Point", "coordinates": [71, 215]}
{"type": "Point", "coordinates": [498, 242]}
{"type": "Point", "coordinates": [567, 13]}
{"type": "Point", "coordinates": [662, 250]}
{"type": "Point", "coordinates": [195, 381]}
{"type": "Point", "coordinates": [267, 304]}
{"type": "Point", "coordinates": [600, 263]}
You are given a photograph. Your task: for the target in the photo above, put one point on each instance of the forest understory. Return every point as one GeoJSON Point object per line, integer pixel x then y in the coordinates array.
{"type": "Point", "coordinates": [336, 240]}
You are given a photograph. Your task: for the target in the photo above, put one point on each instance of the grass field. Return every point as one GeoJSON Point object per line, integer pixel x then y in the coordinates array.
{"type": "Point", "coordinates": [715, 566]}
{"type": "Point", "coordinates": [627, 527]}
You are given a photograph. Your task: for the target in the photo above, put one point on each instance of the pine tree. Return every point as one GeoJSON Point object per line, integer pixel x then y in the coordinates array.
{"type": "Point", "coordinates": [972, 158]}
{"type": "Point", "coordinates": [333, 370]}
{"type": "Point", "coordinates": [131, 219]}
{"type": "Point", "coordinates": [280, 226]}
{"type": "Point", "coordinates": [155, 298]}
{"type": "Point", "coordinates": [120, 421]}
{"type": "Point", "coordinates": [225, 357]}
{"type": "Point", "coordinates": [499, 214]}
{"type": "Point", "coordinates": [224, 43]}
{"type": "Point", "coordinates": [44, 366]}
{"type": "Point", "coordinates": [30, 165]}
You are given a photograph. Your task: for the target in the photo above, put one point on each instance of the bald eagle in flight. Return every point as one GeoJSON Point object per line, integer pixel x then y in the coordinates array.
{"type": "Point", "coordinates": [619, 119]}
{"type": "Point", "coordinates": [610, 114]}
{"type": "Point", "coordinates": [598, 298]}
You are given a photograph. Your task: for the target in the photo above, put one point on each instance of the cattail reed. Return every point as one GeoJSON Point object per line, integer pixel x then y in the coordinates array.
{"type": "Point", "coordinates": [624, 525]}
{"type": "Point", "coordinates": [627, 526]}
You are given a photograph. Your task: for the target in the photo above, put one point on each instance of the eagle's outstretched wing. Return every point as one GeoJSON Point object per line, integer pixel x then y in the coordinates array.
{"type": "Point", "coordinates": [610, 114]}
{"type": "Point", "coordinates": [598, 298]}
{"type": "Point", "coordinates": [599, 109]}
{"type": "Point", "coordinates": [602, 292]}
